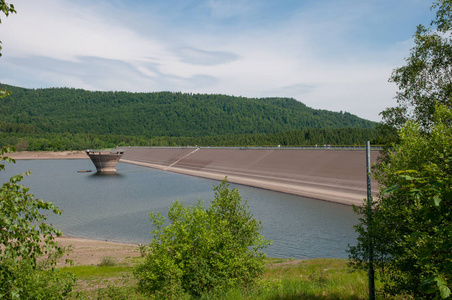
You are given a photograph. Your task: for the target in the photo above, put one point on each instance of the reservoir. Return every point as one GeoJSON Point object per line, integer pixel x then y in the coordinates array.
{"type": "Point", "coordinates": [116, 207]}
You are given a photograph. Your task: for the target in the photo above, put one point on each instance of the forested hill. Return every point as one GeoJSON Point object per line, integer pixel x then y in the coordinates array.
{"type": "Point", "coordinates": [60, 110]}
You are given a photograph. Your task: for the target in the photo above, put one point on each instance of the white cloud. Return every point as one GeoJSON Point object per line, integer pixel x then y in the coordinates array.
{"type": "Point", "coordinates": [311, 54]}
{"type": "Point", "coordinates": [205, 58]}
{"type": "Point", "coordinates": [67, 31]}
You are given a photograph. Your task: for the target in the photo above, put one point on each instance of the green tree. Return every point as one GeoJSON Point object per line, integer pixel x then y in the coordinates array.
{"type": "Point", "coordinates": [412, 219]}
{"type": "Point", "coordinates": [411, 222]}
{"type": "Point", "coordinates": [426, 79]}
{"type": "Point", "coordinates": [28, 249]}
{"type": "Point", "coordinates": [64, 110]}
{"type": "Point", "coordinates": [203, 249]}
{"type": "Point", "coordinates": [432, 244]}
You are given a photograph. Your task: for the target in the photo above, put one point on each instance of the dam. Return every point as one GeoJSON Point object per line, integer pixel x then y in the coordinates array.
{"type": "Point", "coordinates": [325, 174]}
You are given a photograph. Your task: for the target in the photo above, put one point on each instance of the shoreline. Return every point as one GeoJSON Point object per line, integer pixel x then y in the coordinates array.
{"type": "Point", "coordinates": [90, 252]}
{"type": "Point", "coordinates": [85, 252]}
{"type": "Point", "coordinates": [48, 155]}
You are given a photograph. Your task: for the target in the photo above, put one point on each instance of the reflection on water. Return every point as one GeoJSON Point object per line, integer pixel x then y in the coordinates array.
{"type": "Point", "coordinates": [116, 207]}
{"type": "Point", "coordinates": [95, 174]}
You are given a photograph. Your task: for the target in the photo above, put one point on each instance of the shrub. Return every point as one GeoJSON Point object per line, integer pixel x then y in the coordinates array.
{"type": "Point", "coordinates": [23, 280]}
{"type": "Point", "coordinates": [411, 225]}
{"type": "Point", "coordinates": [28, 249]}
{"type": "Point", "coordinates": [107, 261]}
{"type": "Point", "coordinates": [203, 249]}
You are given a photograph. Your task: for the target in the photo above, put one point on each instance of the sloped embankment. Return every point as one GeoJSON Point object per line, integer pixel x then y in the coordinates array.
{"type": "Point", "coordinates": [325, 174]}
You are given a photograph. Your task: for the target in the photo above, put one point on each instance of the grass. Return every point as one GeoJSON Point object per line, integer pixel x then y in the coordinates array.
{"type": "Point", "coordinates": [87, 272]}
{"type": "Point", "coordinates": [91, 280]}
{"type": "Point", "coordinates": [283, 279]}
{"type": "Point", "coordinates": [315, 279]}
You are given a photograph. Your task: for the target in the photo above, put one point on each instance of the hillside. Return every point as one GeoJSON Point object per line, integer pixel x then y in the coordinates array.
{"type": "Point", "coordinates": [76, 111]}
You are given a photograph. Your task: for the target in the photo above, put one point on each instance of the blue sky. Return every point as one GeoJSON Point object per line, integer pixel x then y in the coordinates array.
{"type": "Point", "coordinates": [335, 55]}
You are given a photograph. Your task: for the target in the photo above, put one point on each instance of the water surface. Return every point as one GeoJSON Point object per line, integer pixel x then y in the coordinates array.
{"type": "Point", "coordinates": [116, 207]}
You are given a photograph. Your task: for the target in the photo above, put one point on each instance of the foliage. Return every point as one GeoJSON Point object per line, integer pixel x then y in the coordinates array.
{"type": "Point", "coordinates": [425, 80]}
{"type": "Point", "coordinates": [203, 249]}
{"type": "Point", "coordinates": [22, 280]}
{"type": "Point", "coordinates": [412, 220]}
{"type": "Point", "coordinates": [432, 186]}
{"type": "Point", "coordinates": [70, 119]}
{"type": "Point", "coordinates": [4, 93]}
{"type": "Point", "coordinates": [76, 111]}
{"type": "Point", "coordinates": [22, 222]}
{"type": "Point", "coordinates": [27, 245]}
{"type": "Point", "coordinates": [410, 224]}
{"type": "Point", "coordinates": [6, 9]}
{"type": "Point", "coordinates": [67, 141]}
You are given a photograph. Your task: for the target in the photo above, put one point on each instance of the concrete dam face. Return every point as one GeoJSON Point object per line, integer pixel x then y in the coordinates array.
{"type": "Point", "coordinates": [325, 174]}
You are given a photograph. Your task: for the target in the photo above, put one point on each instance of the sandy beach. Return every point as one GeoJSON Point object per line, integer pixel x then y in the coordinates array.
{"type": "Point", "coordinates": [48, 155]}
{"type": "Point", "coordinates": [91, 252]}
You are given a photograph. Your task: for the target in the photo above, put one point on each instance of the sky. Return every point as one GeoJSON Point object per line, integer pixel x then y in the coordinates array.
{"type": "Point", "coordinates": [329, 54]}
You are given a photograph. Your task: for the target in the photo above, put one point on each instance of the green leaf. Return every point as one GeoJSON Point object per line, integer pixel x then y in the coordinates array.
{"type": "Point", "coordinates": [390, 189]}
{"type": "Point", "coordinates": [437, 200]}
{"type": "Point", "coordinates": [408, 177]}
{"type": "Point", "coordinates": [442, 286]}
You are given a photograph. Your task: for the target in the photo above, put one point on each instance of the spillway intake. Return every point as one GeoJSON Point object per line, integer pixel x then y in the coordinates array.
{"type": "Point", "coordinates": [105, 161]}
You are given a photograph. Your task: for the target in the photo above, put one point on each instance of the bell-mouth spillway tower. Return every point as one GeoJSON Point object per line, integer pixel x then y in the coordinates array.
{"type": "Point", "coordinates": [105, 161]}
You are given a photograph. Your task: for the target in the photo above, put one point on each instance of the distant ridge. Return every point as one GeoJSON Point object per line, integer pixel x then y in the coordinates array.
{"type": "Point", "coordinates": [67, 110]}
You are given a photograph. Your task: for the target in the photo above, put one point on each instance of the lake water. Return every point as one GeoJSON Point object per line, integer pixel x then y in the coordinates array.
{"type": "Point", "coordinates": [116, 207]}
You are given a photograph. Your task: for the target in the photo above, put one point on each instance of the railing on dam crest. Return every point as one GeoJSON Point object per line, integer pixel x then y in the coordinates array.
{"type": "Point", "coordinates": [318, 147]}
